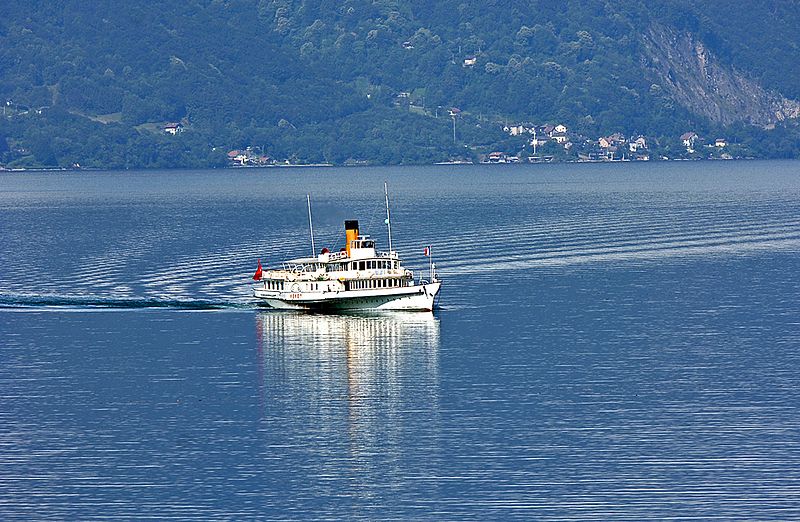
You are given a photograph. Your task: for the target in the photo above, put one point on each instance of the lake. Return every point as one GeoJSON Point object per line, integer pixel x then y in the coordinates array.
{"type": "Point", "coordinates": [614, 342]}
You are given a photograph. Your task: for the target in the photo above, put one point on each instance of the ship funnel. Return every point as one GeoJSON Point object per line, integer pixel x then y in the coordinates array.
{"type": "Point", "coordinates": [350, 233]}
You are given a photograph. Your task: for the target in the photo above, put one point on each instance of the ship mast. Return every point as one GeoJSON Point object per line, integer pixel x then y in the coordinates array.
{"type": "Point", "coordinates": [311, 226]}
{"type": "Point", "coordinates": [388, 216]}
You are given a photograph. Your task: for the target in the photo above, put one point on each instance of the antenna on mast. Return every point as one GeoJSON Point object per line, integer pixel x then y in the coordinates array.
{"type": "Point", "coordinates": [388, 216]}
{"type": "Point", "coordinates": [311, 226]}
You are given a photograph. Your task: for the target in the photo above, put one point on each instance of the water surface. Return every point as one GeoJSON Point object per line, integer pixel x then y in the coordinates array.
{"type": "Point", "coordinates": [613, 342]}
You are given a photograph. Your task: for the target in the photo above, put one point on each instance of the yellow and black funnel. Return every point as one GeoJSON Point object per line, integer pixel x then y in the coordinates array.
{"type": "Point", "coordinates": [350, 233]}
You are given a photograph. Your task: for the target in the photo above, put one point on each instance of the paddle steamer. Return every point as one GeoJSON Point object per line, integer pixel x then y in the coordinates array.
{"type": "Point", "coordinates": [358, 277]}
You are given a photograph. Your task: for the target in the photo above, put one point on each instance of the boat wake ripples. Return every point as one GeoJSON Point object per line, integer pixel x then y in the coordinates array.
{"type": "Point", "coordinates": [83, 302]}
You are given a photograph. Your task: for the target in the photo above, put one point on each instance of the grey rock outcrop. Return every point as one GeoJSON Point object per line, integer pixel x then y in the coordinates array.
{"type": "Point", "coordinates": [695, 78]}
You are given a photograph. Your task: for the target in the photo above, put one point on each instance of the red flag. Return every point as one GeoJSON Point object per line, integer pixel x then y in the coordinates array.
{"type": "Point", "coordinates": [427, 251]}
{"type": "Point", "coordinates": [257, 275]}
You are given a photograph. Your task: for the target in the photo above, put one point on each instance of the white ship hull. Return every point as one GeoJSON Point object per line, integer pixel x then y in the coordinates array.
{"type": "Point", "coordinates": [411, 298]}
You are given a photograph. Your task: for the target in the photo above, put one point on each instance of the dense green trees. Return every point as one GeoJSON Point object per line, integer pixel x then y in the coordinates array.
{"type": "Point", "coordinates": [92, 84]}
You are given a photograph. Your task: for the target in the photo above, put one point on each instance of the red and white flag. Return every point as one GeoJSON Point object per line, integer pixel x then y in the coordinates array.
{"type": "Point", "coordinates": [427, 251]}
{"type": "Point", "coordinates": [257, 275]}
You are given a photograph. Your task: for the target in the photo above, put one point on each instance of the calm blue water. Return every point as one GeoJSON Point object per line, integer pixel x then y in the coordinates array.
{"type": "Point", "coordinates": [614, 342]}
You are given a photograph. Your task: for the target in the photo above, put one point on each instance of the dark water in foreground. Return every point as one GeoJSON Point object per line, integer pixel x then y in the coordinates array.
{"type": "Point", "coordinates": [614, 342]}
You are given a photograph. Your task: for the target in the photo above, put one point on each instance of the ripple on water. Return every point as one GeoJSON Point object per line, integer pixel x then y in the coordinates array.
{"type": "Point", "coordinates": [611, 345]}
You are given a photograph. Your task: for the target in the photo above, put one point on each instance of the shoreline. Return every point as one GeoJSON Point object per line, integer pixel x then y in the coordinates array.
{"type": "Point", "coordinates": [331, 165]}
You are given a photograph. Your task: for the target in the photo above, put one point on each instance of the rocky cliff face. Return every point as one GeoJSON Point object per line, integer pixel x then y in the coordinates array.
{"type": "Point", "coordinates": [683, 67]}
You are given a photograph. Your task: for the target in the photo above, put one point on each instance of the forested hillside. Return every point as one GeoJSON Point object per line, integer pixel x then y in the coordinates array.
{"type": "Point", "coordinates": [311, 81]}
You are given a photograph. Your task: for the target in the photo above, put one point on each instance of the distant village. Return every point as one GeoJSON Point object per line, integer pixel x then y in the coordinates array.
{"type": "Point", "coordinates": [614, 147]}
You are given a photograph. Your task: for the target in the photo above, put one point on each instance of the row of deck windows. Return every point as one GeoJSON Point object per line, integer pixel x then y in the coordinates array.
{"type": "Point", "coordinates": [376, 283]}
{"type": "Point", "coordinates": [374, 264]}
{"type": "Point", "coordinates": [273, 285]}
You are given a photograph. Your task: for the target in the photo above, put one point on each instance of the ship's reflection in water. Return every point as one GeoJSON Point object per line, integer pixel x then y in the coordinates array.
{"type": "Point", "coordinates": [360, 386]}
